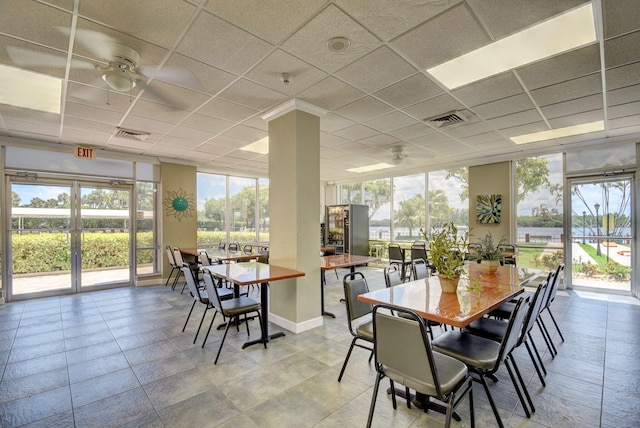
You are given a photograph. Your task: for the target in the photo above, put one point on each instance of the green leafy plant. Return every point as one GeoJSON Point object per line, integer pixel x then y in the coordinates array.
{"type": "Point", "coordinates": [475, 287]}
{"type": "Point", "coordinates": [489, 249]}
{"type": "Point", "coordinates": [616, 271]}
{"type": "Point", "coordinates": [447, 249]}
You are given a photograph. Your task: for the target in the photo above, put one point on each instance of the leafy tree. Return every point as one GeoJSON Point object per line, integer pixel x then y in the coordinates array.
{"type": "Point", "coordinates": [144, 195]}
{"type": "Point", "coordinates": [376, 193]}
{"type": "Point", "coordinates": [15, 199]}
{"type": "Point", "coordinates": [531, 174]}
{"type": "Point", "coordinates": [411, 213]}
{"type": "Point", "coordinates": [439, 210]}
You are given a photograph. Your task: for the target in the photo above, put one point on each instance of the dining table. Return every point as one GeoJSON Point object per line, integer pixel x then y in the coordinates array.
{"type": "Point", "coordinates": [479, 292]}
{"type": "Point", "coordinates": [338, 261]}
{"type": "Point", "coordinates": [246, 274]}
{"type": "Point", "coordinates": [224, 256]}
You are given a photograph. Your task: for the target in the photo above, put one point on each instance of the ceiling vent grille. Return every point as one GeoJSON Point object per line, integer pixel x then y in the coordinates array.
{"type": "Point", "coordinates": [130, 134]}
{"type": "Point", "coordinates": [448, 119]}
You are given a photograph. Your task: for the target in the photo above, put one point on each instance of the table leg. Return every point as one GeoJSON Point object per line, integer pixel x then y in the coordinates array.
{"type": "Point", "coordinates": [421, 401]}
{"type": "Point", "coordinates": [323, 282]}
{"type": "Point", "coordinates": [264, 301]}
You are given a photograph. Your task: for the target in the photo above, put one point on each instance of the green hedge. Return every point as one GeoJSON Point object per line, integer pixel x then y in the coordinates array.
{"type": "Point", "coordinates": [206, 237]}
{"type": "Point", "coordinates": [50, 252]}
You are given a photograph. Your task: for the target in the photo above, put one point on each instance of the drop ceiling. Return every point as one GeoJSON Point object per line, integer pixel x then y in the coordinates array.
{"type": "Point", "coordinates": [214, 69]}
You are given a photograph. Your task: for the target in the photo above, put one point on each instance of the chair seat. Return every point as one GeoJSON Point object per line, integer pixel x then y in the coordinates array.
{"type": "Point", "coordinates": [487, 327]}
{"type": "Point", "coordinates": [474, 351]}
{"type": "Point", "coordinates": [503, 311]}
{"type": "Point", "coordinates": [365, 330]}
{"type": "Point", "coordinates": [239, 306]}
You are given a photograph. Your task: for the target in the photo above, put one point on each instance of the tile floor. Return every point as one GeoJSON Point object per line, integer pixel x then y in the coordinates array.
{"type": "Point", "coordinates": [118, 358]}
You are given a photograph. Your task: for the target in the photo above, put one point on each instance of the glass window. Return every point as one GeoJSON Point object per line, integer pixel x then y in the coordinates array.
{"type": "Point", "coordinates": [609, 157]}
{"type": "Point", "coordinates": [146, 240]}
{"type": "Point", "coordinates": [263, 209]}
{"type": "Point", "coordinates": [377, 195]}
{"type": "Point", "coordinates": [212, 208]}
{"type": "Point", "coordinates": [449, 197]}
{"type": "Point", "coordinates": [409, 207]}
{"type": "Point", "coordinates": [351, 193]}
{"type": "Point", "coordinates": [539, 211]}
{"type": "Point", "coordinates": [242, 209]}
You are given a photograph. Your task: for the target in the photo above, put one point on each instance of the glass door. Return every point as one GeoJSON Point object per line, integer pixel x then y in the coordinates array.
{"type": "Point", "coordinates": [68, 236]}
{"type": "Point", "coordinates": [602, 237]}
{"type": "Point", "coordinates": [104, 235]}
{"type": "Point", "coordinates": [40, 236]}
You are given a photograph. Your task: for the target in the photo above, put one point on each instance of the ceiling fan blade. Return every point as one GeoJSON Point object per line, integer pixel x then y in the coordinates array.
{"type": "Point", "coordinates": [31, 58]}
{"type": "Point", "coordinates": [100, 44]}
{"type": "Point", "coordinates": [160, 97]}
{"type": "Point", "coordinates": [177, 75]}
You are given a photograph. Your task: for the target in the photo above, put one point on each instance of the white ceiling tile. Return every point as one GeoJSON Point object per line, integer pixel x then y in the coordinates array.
{"type": "Point", "coordinates": [515, 119]}
{"type": "Point", "coordinates": [364, 109]}
{"type": "Point", "coordinates": [189, 73]}
{"type": "Point", "coordinates": [332, 122]}
{"type": "Point", "coordinates": [310, 42]}
{"type": "Point", "coordinates": [227, 110]}
{"type": "Point", "coordinates": [216, 42]}
{"type": "Point", "coordinates": [356, 132]}
{"type": "Point", "coordinates": [207, 123]}
{"type": "Point", "coordinates": [391, 121]}
{"type": "Point", "coordinates": [500, 86]}
{"type": "Point", "coordinates": [623, 76]}
{"type": "Point", "coordinates": [330, 94]}
{"type": "Point", "coordinates": [576, 119]}
{"type": "Point", "coordinates": [620, 17]}
{"type": "Point", "coordinates": [493, 109]}
{"type": "Point", "coordinates": [271, 20]}
{"type": "Point", "coordinates": [623, 95]}
{"type": "Point", "coordinates": [575, 106]}
{"type": "Point", "coordinates": [161, 112]}
{"type": "Point", "coordinates": [434, 107]}
{"type": "Point", "coordinates": [412, 131]}
{"type": "Point", "coordinates": [29, 56]}
{"type": "Point", "coordinates": [409, 91]}
{"type": "Point", "coordinates": [376, 70]}
{"type": "Point", "coordinates": [248, 93]}
{"type": "Point", "coordinates": [30, 26]}
{"type": "Point", "coordinates": [571, 89]}
{"type": "Point", "coordinates": [246, 133]}
{"type": "Point", "coordinates": [418, 47]}
{"type": "Point", "coordinates": [162, 26]}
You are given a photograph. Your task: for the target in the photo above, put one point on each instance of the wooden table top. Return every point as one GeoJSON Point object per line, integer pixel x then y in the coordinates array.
{"type": "Point", "coordinates": [337, 261]}
{"type": "Point", "coordinates": [222, 255]}
{"type": "Point", "coordinates": [426, 298]}
{"type": "Point", "coordinates": [252, 273]}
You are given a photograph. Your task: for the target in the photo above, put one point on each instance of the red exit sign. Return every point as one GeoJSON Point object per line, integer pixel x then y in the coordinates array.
{"type": "Point", "coordinates": [85, 152]}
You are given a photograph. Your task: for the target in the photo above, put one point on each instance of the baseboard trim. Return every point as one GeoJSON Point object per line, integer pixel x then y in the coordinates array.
{"type": "Point", "coordinates": [295, 327]}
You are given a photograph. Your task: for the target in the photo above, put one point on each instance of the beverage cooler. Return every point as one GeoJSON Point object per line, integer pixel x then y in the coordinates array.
{"type": "Point", "coordinates": [347, 229]}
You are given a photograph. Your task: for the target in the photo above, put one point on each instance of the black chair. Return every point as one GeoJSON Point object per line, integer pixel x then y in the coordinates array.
{"type": "Point", "coordinates": [484, 356]}
{"type": "Point", "coordinates": [403, 354]}
{"type": "Point", "coordinates": [177, 255]}
{"type": "Point", "coordinates": [397, 257]}
{"type": "Point", "coordinates": [360, 328]}
{"type": "Point", "coordinates": [174, 266]}
{"type": "Point", "coordinates": [392, 276]}
{"type": "Point", "coordinates": [553, 289]}
{"type": "Point", "coordinates": [200, 295]}
{"type": "Point", "coordinates": [229, 308]}
{"type": "Point", "coordinates": [222, 246]}
{"type": "Point", "coordinates": [473, 251]}
{"type": "Point", "coordinates": [234, 246]}
{"type": "Point", "coordinates": [494, 329]}
{"type": "Point", "coordinates": [507, 248]}
{"type": "Point", "coordinates": [420, 269]}
{"type": "Point", "coordinates": [247, 249]}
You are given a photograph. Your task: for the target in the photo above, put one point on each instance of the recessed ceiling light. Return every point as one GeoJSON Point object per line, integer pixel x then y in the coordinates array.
{"type": "Point", "coordinates": [369, 168]}
{"type": "Point", "coordinates": [338, 44]}
{"type": "Point", "coordinates": [261, 146]}
{"type": "Point", "coordinates": [26, 89]}
{"type": "Point", "coordinates": [567, 31]}
{"type": "Point", "coordinates": [568, 131]}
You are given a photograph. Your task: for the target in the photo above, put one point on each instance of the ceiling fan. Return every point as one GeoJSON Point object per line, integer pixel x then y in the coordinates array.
{"type": "Point", "coordinates": [398, 155]}
{"type": "Point", "coordinates": [118, 64]}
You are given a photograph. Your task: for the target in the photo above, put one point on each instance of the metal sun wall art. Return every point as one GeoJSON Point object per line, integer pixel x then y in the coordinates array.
{"type": "Point", "coordinates": [489, 209]}
{"type": "Point", "coordinates": [179, 204]}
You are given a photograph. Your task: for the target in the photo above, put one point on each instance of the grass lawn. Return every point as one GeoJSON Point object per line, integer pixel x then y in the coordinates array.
{"type": "Point", "coordinates": [525, 259]}
{"type": "Point", "coordinates": [601, 260]}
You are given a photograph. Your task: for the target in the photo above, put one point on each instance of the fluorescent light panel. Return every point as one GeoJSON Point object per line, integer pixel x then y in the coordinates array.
{"type": "Point", "coordinates": [261, 146]}
{"type": "Point", "coordinates": [584, 128]}
{"type": "Point", "coordinates": [369, 168]}
{"type": "Point", "coordinates": [26, 89]}
{"type": "Point", "coordinates": [564, 32]}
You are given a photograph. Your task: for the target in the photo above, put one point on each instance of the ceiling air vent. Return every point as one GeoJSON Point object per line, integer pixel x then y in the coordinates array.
{"type": "Point", "coordinates": [131, 134]}
{"type": "Point", "coordinates": [448, 119]}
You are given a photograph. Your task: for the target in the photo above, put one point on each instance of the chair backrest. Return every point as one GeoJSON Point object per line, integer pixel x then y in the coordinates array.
{"type": "Point", "coordinates": [507, 247]}
{"type": "Point", "coordinates": [553, 286]}
{"type": "Point", "coordinates": [395, 253]}
{"type": "Point", "coordinates": [419, 269]}
{"type": "Point", "coordinates": [222, 246]}
{"type": "Point", "coordinates": [419, 252]}
{"type": "Point", "coordinates": [392, 276]}
{"type": "Point", "coordinates": [247, 249]}
{"type": "Point", "coordinates": [473, 249]}
{"type": "Point", "coordinates": [354, 284]}
{"type": "Point", "coordinates": [212, 290]}
{"type": "Point", "coordinates": [535, 307]}
{"type": "Point", "coordinates": [264, 257]}
{"type": "Point", "coordinates": [329, 251]}
{"type": "Point", "coordinates": [204, 259]}
{"type": "Point", "coordinates": [402, 347]}
{"type": "Point", "coordinates": [514, 327]}
{"type": "Point", "coordinates": [177, 255]}
{"type": "Point", "coordinates": [172, 260]}
{"type": "Point", "coordinates": [234, 246]}
{"type": "Point", "coordinates": [191, 282]}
